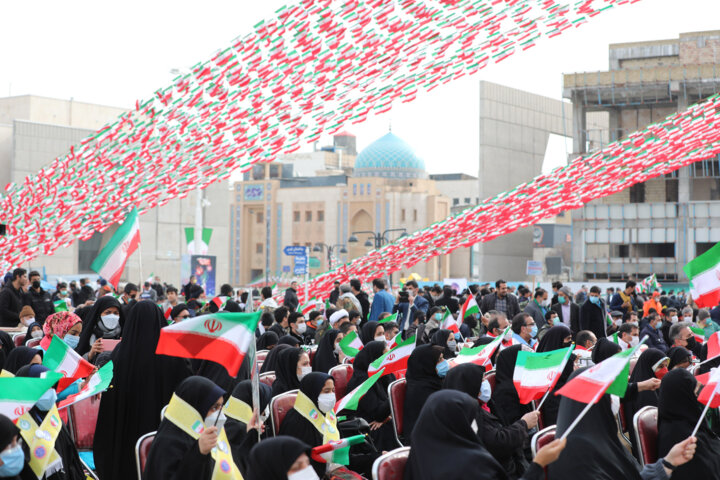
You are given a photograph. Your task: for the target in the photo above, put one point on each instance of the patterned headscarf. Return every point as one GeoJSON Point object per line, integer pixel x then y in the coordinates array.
{"type": "Point", "coordinates": [58, 324]}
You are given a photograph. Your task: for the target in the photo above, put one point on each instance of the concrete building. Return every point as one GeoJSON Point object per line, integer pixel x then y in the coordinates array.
{"type": "Point", "coordinates": [34, 130]}
{"type": "Point", "coordinates": [659, 225]}
{"type": "Point", "coordinates": [516, 128]}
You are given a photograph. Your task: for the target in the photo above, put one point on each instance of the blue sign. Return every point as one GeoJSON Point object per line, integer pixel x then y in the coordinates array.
{"type": "Point", "coordinates": [286, 269]}
{"type": "Point", "coordinates": [300, 261]}
{"type": "Point", "coordinates": [295, 250]}
{"type": "Point", "coordinates": [254, 192]}
{"type": "Point", "coordinates": [299, 270]}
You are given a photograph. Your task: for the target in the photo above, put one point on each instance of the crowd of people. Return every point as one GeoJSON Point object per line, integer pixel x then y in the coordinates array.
{"type": "Point", "coordinates": [456, 422]}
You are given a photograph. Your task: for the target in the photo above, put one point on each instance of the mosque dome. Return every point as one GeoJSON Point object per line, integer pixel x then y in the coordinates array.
{"type": "Point", "coordinates": [389, 157]}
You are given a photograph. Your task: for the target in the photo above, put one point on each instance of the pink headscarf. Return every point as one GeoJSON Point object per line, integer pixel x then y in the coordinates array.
{"type": "Point", "coordinates": [58, 324]}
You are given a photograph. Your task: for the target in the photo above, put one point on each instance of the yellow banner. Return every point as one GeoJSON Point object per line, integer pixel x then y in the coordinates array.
{"type": "Point", "coordinates": [41, 440]}
{"type": "Point", "coordinates": [238, 410]}
{"type": "Point", "coordinates": [327, 425]}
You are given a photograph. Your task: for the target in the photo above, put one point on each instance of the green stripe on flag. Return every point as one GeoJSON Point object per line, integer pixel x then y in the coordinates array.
{"type": "Point", "coordinates": [121, 234]}
{"type": "Point", "coordinates": [704, 262]}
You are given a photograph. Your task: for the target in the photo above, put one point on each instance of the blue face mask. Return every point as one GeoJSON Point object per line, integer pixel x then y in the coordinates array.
{"type": "Point", "coordinates": [13, 461]}
{"type": "Point", "coordinates": [442, 368]}
{"type": "Point", "coordinates": [438, 316]}
{"type": "Point", "coordinates": [595, 300]}
{"type": "Point", "coordinates": [47, 400]}
{"type": "Point", "coordinates": [485, 391]}
{"type": "Point", "coordinates": [458, 336]}
{"type": "Point", "coordinates": [72, 341]}
{"type": "Point", "coordinates": [533, 331]}
{"type": "Point", "coordinates": [658, 325]}
{"type": "Point", "coordinates": [561, 299]}
{"type": "Point", "coordinates": [319, 321]}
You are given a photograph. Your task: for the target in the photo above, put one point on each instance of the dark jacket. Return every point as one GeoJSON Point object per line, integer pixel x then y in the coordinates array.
{"type": "Point", "coordinates": [11, 302]}
{"type": "Point", "coordinates": [574, 316]}
{"type": "Point", "coordinates": [617, 301]}
{"type": "Point", "coordinates": [488, 303]}
{"type": "Point", "coordinates": [537, 312]}
{"type": "Point", "coordinates": [291, 299]}
{"type": "Point", "coordinates": [41, 304]}
{"type": "Point", "coordinates": [364, 304]}
{"type": "Point", "coordinates": [655, 338]}
{"type": "Point", "coordinates": [448, 301]}
{"type": "Point", "coordinates": [592, 317]}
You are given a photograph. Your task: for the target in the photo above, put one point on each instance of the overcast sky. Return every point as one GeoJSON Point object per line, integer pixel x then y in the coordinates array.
{"type": "Point", "coordinates": [96, 52]}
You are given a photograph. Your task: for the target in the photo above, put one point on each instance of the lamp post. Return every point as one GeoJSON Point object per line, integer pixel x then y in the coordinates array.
{"type": "Point", "coordinates": [377, 239]}
{"type": "Point", "coordinates": [330, 249]}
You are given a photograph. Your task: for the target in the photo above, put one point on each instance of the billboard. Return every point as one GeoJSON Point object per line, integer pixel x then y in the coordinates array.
{"type": "Point", "coordinates": [203, 267]}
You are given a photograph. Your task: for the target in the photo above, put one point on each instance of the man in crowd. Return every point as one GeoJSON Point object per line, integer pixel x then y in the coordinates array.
{"type": "Point", "coordinates": [567, 310]}
{"type": "Point", "coordinates": [706, 323]}
{"type": "Point", "coordinates": [525, 295]}
{"type": "Point", "coordinates": [538, 307]}
{"type": "Point", "coordinates": [592, 313]}
{"type": "Point", "coordinates": [39, 299]}
{"type": "Point", "coordinates": [362, 297]}
{"type": "Point", "coordinates": [497, 323]}
{"type": "Point", "coordinates": [556, 286]}
{"type": "Point", "coordinates": [335, 293]}
{"type": "Point", "coordinates": [391, 330]}
{"type": "Point", "coordinates": [127, 299]}
{"type": "Point", "coordinates": [687, 314]}
{"type": "Point", "coordinates": [382, 301]}
{"type": "Point", "coordinates": [418, 303]}
{"type": "Point", "coordinates": [628, 335]}
{"type": "Point", "coordinates": [172, 298]}
{"type": "Point", "coordinates": [524, 330]}
{"type": "Point", "coordinates": [682, 336]}
{"type": "Point", "coordinates": [585, 340]}
{"type": "Point", "coordinates": [148, 293]}
{"type": "Point", "coordinates": [652, 302]}
{"type": "Point", "coordinates": [11, 298]}
{"type": "Point", "coordinates": [501, 301]}
{"type": "Point", "coordinates": [281, 315]}
{"type": "Point", "coordinates": [670, 318]}
{"type": "Point", "coordinates": [291, 298]}
{"type": "Point", "coordinates": [337, 319]}
{"type": "Point", "coordinates": [624, 300]}
{"type": "Point", "coordinates": [298, 327]}
{"type": "Point", "coordinates": [652, 330]}
{"type": "Point", "coordinates": [267, 299]}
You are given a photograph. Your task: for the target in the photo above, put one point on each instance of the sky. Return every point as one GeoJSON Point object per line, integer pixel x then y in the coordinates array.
{"type": "Point", "coordinates": [95, 52]}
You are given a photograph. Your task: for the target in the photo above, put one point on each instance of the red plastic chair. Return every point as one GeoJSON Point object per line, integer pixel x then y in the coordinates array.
{"type": "Point", "coordinates": [19, 339]}
{"type": "Point", "coordinates": [261, 356]}
{"type": "Point", "coordinates": [280, 405]}
{"type": "Point", "coordinates": [490, 377]}
{"type": "Point", "coordinates": [542, 438]}
{"type": "Point", "coordinates": [82, 418]}
{"type": "Point", "coordinates": [34, 342]}
{"type": "Point", "coordinates": [267, 378]}
{"type": "Point", "coordinates": [311, 354]}
{"type": "Point", "coordinates": [646, 434]}
{"type": "Point", "coordinates": [341, 374]}
{"type": "Point", "coordinates": [391, 466]}
{"type": "Point", "coordinates": [142, 451]}
{"type": "Point", "coordinates": [396, 394]}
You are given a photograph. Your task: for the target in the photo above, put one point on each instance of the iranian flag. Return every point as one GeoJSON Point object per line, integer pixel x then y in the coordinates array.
{"type": "Point", "coordinates": [713, 346]}
{"type": "Point", "coordinates": [220, 302]}
{"type": "Point", "coordinates": [351, 344]}
{"type": "Point", "coordinates": [307, 307]}
{"type": "Point", "coordinates": [709, 394]}
{"type": "Point", "coordinates": [98, 383]}
{"type": "Point", "coordinates": [479, 355]}
{"type": "Point", "coordinates": [395, 341]}
{"type": "Point", "coordinates": [608, 376]}
{"type": "Point", "coordinates": [66, 361]}
{"type": "Point", "coordinates": [449, 323]}
{"type": "Point", "coordinates": [168, 312]}
{"type": "Point", "coordinates": [536, 373]}
{"type": "Point", "coordinates": [61, 305]}
{"type": "Point", "coordinates": [469, 307]}
{"type": "Point", "coordinates": [350, 400]}
{"type": "Point", "coordinates": [222, 337]}
{"type": "Point", "coordinates": [19, 394]}
{"type": "Point", "coordinates": [112, 258]}
{"type": "Point", "coordinates": [389, 318]}
{"type": "Point", "coordinates": [337, 451]}
{"type": "Point", "coordinates": [698, 333]}
{"type": "Point", "coordinates": [394, 360]}
{"type": "Point", "coordinates": [704, 275]}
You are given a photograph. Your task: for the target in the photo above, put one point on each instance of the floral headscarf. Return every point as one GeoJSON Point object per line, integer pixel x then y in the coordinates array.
{"type": "Point", "coordinates": [58, 324]}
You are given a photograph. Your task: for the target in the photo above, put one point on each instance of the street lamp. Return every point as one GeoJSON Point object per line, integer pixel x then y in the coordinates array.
{"type": "Point", "coordinates": [330, 249]}
{"type": "Point", "coordinates": [377, 239]}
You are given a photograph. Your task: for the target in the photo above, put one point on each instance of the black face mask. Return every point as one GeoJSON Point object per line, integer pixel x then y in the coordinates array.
{"type": "Point", "coordinates": [133, 296]}
{"type": "Point", "coordinates": [566, 344]}
{"type": "Point", "coordinates": [690, 341]}
{"type": "Point", "coordinates": [36, 284]}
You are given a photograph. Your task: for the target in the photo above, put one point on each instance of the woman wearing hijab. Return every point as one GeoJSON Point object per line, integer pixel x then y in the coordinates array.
{"type": "Point", "coordinates": [423, 378]}
{"type": "Point", "coordinates": [71, 468]}
{"type": "Point", "coordinates": [679, 358]}
{"type": "Point", "coordinates": [142, 385]}
{"type": "Point", "coordinates": [506, 403]}
{"type": "Point", "coordinates": [372, 331]}
{"type": "Point", "coordinates": [649, 365]}
{"type": "Point", "coordinates": [21, 356]}
{"type": "Point", "coordinates": [446, 340]}
{"type": "Point", "coordinates": [593, 449]}
{"type": "Point", "coordinates": [280, 458]}
{"type": "Point", "coordinates": [189, 431]}
{"type": "Point", "coordinates": [604, 349]}
{"type": "Point", "coordinates": [289, 340]}
{"type": "Point", "coordinates": [12, 455]}
{"type": "Point", "coordinates": [678, 413]}
{"type": "Point", "coordinates": [317, 393]}
{"type": "Point", "coordinates": [374, 406]}
{"type": "Point", "coordinates": [65, 325]}
{"type": "Point", "coordinates": [105, 320]}
{"type": "Point", "coordinates": [267, 341]}
{"type": "Point", "coordinates": [505, 443]}
{"type": "Point", "coordinates": [239, 413]}
{"type": "Point", "coordinates": [6, 346]}
{"type": "Point", "coordinates": [271, 361]}
{"type": "Point", "coordinates": [218, 374]}
{"type": "Point", "coordinates": [445, 437]}
{"type": "Point", "coordinates": [34, 332]}
{"type": "Point", "coordinates": [555, 338]}
{"type": "Point", "coordinates": [327, 354]}
{"type": "Point", "coordinates": [292, 365]}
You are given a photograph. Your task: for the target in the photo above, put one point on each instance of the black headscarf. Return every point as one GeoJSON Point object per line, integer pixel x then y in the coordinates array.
{"type": "Point", "coordinates": [643, 371]}
{"type": "Point", "coordinates": [272, 458]}
{"type": "Point", "coordinates": [19, 357]}
{"type": "Point", "coordinates": [286, 371]}
{"type": "Point", "coordinates": [6, 346]}
{"type": "Point", "coordinates": [440, 338]}
{"type": "Point", "coordinates": [604, 349]}
{"type": "Point", "coordinates": [554, 339]}
{"type": "Point", "coordinates": [267, 340]}
{"type": "Point", "coordinates": [178, 309]}
{"type": "Point", "coordinates": [678, 412]}
{"type": "Point", "coordinates": [142, 385]}
{"type": "Point", "coordinates": [289, 340]}
{"type": "Point", "coordinates": [506, 403]}
{"type": "Point", "coordinates": [367, 332]}
{"type": "Point", "coordinates": [28, 336]}
{"type": "Point", "coordinates": [90, 322]}
{"type": "Point", "coordinates": [271, 361]}
{"type": "Point", "coordinates": [297, 426]}
{"type": "Point", "coordinates": [174, 451]}
{"type": "Point", "coordinates": [443, 436]}
{"type": "Point", "coordinates": [325, 357]}
{"type": "Point", "coordinates": [596, 433]}
{"type": "Point", "coordinates": [219, 375]}
{"type": "Point", "coordinates": [422, 381]}
{"type": "Point", "coordinates": [8, 431]}
{"type": "Point", "coordinates": [678, 355]}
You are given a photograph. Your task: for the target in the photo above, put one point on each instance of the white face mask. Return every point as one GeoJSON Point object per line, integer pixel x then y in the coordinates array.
{"type": "Point", "coordinates": [545, 303]}
{"type": "Point", "coordinates": [452, 345]}
{"type": "Point", "coordinates": [28, 321]}
{"type": "Point", "coordinates": [380, 338]}
{"type": "Point", "coordinates": [37, 334]}
{"type": "Point", "coordinates": [635, 340]}
{"type": "Point", "coordinates": [304, 371]}
{"type": "Point", "coordinates": [218, 416]}
{"type": "Point", "coordinates": [307, 473]}
{"type": "Point", "coordinates": [326, 402]}
{"type": "Point", "coordinates": [337, 349]}
{"type": "Point", "coordinates": [301, 327]}
{"type": "Point", "coordinates": [485, 392]}
{"type": "Point", "coordinates": [687, 319]}
{"type": "Point", "coordinates": [110, 321]}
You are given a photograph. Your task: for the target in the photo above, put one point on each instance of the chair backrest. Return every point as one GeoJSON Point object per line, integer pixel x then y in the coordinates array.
{"type": "Point", "coordinates": [267, 378]}
{"type": "Point", "coordinates": [82, 418]}
{"type": "Point", "coordinates": [542, 438]}
{"type": "Point", "coordinates": [142, 451]}
{"type": "Point", "coordinates": [280, 405]}
{"type": "Point", "coordinates": [33, 343]}
{"type": "Point", "coordinates": [646, 434]}
{"type": "Point", "coordinates": [490, 377]}
{"type": "Point", "coordinates": [391, 466]}
{"type": "Point", "coordinates": [19, 339]}
{"type": "Point", "coordinates": [311, 354]}
{"type": "Point", "coordinates": [341, 374]}
{"type": "Point", "coordinates": [261, 356]}
{"type": "Point", "coordinates": [396, 394]}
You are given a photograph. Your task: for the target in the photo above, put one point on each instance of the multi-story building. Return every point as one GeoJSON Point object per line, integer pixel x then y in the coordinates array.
{"type": "Point", "coordinates": [659, 225]}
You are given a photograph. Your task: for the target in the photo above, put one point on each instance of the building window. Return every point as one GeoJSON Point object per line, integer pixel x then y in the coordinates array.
{"type": "Point", "coordinates": [321, 215]}
{"type": "Point", "coordinates": [258, 248]}
{"type": "Point", "coordinates": [671, 190]}
{"type": "Point", "coordinates": [368, 189]}
{"type": "Point", "coordinates": [362, 189]}
{"type": "Point", "coordinates": [259, 217]}
{"type": "Point", "coordinates": [308, 216]}
{"type": "Point", "coordinates": [467, 200]}
{"type": "Point", "coordinates": [637, 193]}
{"type": "Point", "coordinates": [402, 215]}
{"type": "Point", "coordinates": [354, 188]}
{"type": "Point", "coordinates": [296, 216]}
{"type": "Point", "coordinates": [456, 201]}
{"type": "Point", "coordinates": [415, 215]}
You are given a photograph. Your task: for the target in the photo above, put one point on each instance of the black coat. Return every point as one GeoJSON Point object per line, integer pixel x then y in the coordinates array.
{"type": "Point", "coordinates": [488, 303]}
{"type": "Point", "coordinates": [648, 398]}
{"type": "Point", "coordinates": [422, 381]}
{"type": "Point", "coordinates": [506, 403]}
{"type": "Point", "coordinates": [574, 316]}
{"type": "Point", "coordinates": [11, 302]}
{"type": "Point", "coordinates": [291, 299]}
{"type": "Point", "coordinates": [41, 304]}
{"type": "Point", "coordinates": [364, 304]}
{"type": "Point", "coordinates": [592, 317]}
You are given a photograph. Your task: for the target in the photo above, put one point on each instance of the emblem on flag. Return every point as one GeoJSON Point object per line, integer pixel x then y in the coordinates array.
{"type": "Point", "coordinates": [198, 427]}
{"type": "Point", "coordinates": [212, 325]}
{"type": "Point", "coordinates": [314, 414]}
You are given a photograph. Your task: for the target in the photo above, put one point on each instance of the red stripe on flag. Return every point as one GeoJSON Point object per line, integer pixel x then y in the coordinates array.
{"type": "Point", "coordinates": [191, 345]}
{"type": "Point", "coordinates": [134, 243]}
{"type": "Point", "coordinates": [709, 299]}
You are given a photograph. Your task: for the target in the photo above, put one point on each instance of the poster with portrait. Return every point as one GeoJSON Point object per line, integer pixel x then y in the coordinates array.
{"type": "Point", "coordinates": [203, 268]}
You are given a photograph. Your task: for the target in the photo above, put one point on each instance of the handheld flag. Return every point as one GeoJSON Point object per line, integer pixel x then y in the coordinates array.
{"type": "Point", "coordinates": [698, 333]}
{"type": "Point", "coordinates": [704, 280]}
{"type": "Point", "coordinates": [98, 383]}
{"type": "Point", "coordinates": [19, 394]}
{"type": "Point", "coordinates": [111, 260]}
{"type": "Point", "coordinates": [337, 451]}
{"type": "Point", "coordinates": [389, 318]}
{"type": "Point", "coordinates": [61, 305]}
{"type": "Point", "coordinates": [449, 323]}
{"type": "Point", "coordinates": [479, 355]}
{"type": "Point", "coordinates": [351, 344]}
{"type": "Point", "coordinates": [394, 360]}
{"type": "Point", "coordinates": [350, 400]}
{"type": "Point", "coordinates": [536, 373]}
{"type": "Point", "coordinates": [307, 307]}
{"type": "Point", "coordinates": [469, 307]}
{"type": "Point", "coordinates": [66, 361]}
{"type": "Point", "coordinates": [221, 337]}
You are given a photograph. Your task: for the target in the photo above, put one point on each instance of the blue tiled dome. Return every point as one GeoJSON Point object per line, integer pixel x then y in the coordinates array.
{"type": "Point", "coordinates": [389, 157]}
